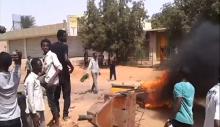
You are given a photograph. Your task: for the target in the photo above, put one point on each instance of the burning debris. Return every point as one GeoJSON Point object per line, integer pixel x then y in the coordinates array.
{"type": "Point", "coordinates": [199, 54]}
{"type": "Point", "coordinates": [153, 96]}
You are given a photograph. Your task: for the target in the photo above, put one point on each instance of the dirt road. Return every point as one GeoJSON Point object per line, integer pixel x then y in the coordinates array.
{"type": "Point", "coordinates": [82, 100]}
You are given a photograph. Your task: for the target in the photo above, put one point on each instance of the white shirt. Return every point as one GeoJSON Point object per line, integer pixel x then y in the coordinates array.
{"type": "Point", "coordinates": [212, 106]}
{"type": "Point", "coordinates": [50, 66]}
{"type": "Point", "coordinates": [9, 83]}
{"type": "Point", "coordinates": [93, 66]}
{"type": "Point", "coordinates": [105, 55]}
{"type": "Point", "coordinates": [34, 94]}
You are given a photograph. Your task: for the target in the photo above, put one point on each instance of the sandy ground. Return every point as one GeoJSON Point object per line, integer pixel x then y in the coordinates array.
{"type": "Point", "coordinates": [81, 102]}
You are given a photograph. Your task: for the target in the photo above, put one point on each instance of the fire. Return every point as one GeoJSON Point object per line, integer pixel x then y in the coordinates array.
{"type": "Point", "coordinates": [154, 91]}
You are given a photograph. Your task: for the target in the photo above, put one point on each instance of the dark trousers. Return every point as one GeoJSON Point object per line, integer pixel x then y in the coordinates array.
{"type": "Point", "coordinates": [22, 105]}
{"type": "Point", "coordinates": [65, 86]}
{"type": "Point", "coordinates": [112, 71]}
{"type": "Point", "coordinates": [86, 62]}
{"type": "Point", "coordinates": [11, 123]}
{"type": "Point", "coordinates": [176, 123]}
{"type": "Point", "coordinates": [30, 119]}
{"type": "Point", "coordinates": [50, 91]}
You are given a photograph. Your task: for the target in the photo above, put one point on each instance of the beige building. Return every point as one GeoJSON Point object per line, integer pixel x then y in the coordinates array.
{"type": "Point", "coordinates": [157, 44]}
{"type": "Point", "coordinates": [28, 40]}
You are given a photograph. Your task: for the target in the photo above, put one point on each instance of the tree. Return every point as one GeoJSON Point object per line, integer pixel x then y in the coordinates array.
{"type": "Point", "coordinates": [200, 10]}
{"type": "Point", "coordinates": [192, 12]}
{"type": "Point", "coordinates": [2, 29]}
{"type": "Point", "coordinates": [113, 26]}
{"type": "Point", "coordinates": [110, 13]}
{"type": "Point", "coordinates": [137, 17]}
{"type": "Point", "coordinates": [182, 15]}
{"type": "Point", "coordinates": [27, 21]}
{"type": "Point", "coordinates": [91, 28]}
{"type": "Point", "coordinates": [173, 19]}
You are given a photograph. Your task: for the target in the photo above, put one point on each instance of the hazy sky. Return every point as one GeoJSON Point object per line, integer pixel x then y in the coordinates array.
{"type": "Point", "coordinates": [54, 11]}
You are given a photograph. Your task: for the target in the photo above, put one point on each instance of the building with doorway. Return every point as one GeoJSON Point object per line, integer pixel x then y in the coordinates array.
{"type": "Point", "coordinates": [157, 45]}
{"type": "Point", "coordinates": [28, 40]}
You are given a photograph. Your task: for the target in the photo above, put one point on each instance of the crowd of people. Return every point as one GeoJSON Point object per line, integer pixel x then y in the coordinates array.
{"type": "Point", "coordinates": [104, 59]}
{"type": "Point", "coordinates": [53, 73]}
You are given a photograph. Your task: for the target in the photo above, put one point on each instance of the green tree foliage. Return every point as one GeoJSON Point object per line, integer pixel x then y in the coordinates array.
{"type": "Point", "coordinates": [200, 10]}
{"type": "Point", "coordinates": [113, 26]}
{"type": "Point", "coordinates": [182, 15]}
{"type": "Point", "coordinates": [27, 21]}
{"type": "Point", "coordinates": [2, 29]}
{"type": "Point", "coordinates": [91, 28]}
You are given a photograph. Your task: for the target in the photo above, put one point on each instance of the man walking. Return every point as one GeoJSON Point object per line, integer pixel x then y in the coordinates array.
{"type": "Point", "coordinates": [94, 67]}
{"type": "Point", "coordinates": [61, 50]}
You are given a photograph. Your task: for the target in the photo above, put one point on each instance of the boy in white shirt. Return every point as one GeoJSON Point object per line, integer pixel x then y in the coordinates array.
{"type": "Point", "coordinates": [34, 96]}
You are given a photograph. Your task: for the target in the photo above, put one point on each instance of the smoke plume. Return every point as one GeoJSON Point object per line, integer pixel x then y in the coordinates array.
{"type": "Point", "coordinates": [199, 53]}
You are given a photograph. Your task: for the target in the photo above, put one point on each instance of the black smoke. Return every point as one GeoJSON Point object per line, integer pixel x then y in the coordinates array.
{"type": "Point", "coordinates": [199, 53]}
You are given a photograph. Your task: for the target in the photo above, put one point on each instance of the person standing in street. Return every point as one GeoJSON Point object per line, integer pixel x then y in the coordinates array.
{"type": "Point", "coordinates": [60, 48]}
{"type": "Point", "coordinates": [105, 62]}
{"type": "Point", "coordinates": [95, 71]}
{"type": "Point", "coordinates": [212, 115]}
{"type": "Point", "coordinates": [112, 66]}
{"type": "Point", "coordinates": [184, 93]}
{"type": "Point", "coordinates": [86, 58]}
{"type": "Point", "coordinates": [28, 67]}
{"type": "Point", "coordinates": [34, 96]}
{"type": "Point", "coordinates": [51, 68]}
{"type": "Point", "coordinates": [9, 81]}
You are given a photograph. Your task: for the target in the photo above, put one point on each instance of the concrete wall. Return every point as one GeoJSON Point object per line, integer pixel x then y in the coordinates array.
{"type": "Point", "coordinates": [34, 47]}
{"type": "Point", "coordinates": [75, 47]}
{"type": "Point", "coordinates": [17, 45]}
{"type": "Point", "coordinates": [31, 46]}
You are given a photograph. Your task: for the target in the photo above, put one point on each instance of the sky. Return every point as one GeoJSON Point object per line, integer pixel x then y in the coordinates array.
{"type": "Point", "coordinates": [55, 11]}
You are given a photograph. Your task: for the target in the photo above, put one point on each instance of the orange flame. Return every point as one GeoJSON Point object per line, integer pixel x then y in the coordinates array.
{"type": "Point", "coordinates": [154, 90]}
